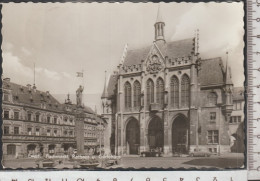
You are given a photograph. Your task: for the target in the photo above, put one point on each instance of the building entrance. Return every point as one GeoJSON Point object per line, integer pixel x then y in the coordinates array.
{"type": "Point", "coordinates": [132, 137]}
{"type": "Point", "coordinates": [155, 134]}
{"type": "Point", "coordinates": [180, 135]}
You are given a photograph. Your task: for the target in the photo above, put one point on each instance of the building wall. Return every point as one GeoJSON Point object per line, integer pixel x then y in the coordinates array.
{"type": "Point", "coordinates": [42, 130]}
{"type": "Point", "coordinates": [197, 114]}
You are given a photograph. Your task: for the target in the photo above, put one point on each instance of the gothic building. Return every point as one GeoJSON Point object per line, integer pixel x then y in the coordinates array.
{"type": "Point", "coordinates": [165, 96]}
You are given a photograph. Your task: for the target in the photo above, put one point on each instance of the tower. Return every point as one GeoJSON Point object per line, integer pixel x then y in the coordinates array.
{"type": "Point", "coordinates": [159, 27]}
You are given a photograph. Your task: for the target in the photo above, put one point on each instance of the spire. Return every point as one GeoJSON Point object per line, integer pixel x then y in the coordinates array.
{"type": "Point", "coordinates": [228, 74]}
{"type": "Point", "coordinates": [159, 15]}
{"type": "Point", "coordinates": [105, 94]}
{"type": "Point", "coordinates": [159, 26]}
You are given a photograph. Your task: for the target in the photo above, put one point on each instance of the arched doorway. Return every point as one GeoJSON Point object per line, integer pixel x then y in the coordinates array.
{"type": "Point", "coordinates": [132, 136]}
{"type": "Point", "coordinates": [155, 134]}
{"type": "Point", "coordinates": [180, 136]}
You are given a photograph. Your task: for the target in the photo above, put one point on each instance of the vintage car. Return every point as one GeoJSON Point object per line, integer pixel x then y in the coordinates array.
{"type": "Point", "coordinates": [199, 153]}
{"type": "Point", "coordinates": [45, 163]}
{"type": "Point", "coordinates": [88, 163]}
{"type": "Point", "coordinates": [152, 153]}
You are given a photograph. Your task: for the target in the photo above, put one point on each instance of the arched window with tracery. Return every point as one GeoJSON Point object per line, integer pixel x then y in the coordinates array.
{"type": "Point", "coordinates": [128, 93]}
{"type": "Point", "coordinates": [212, 98]}
{"type": "Point", "coordinates": [185, 91]}
{"type": "Point", "coordinates": [137, 94]}
{"type": "Point", "coordinates": [160, 91]}
{"type": "Point", "coordinates": [150, 92]}
{"type": "Point", "coordinates": [174, 92]}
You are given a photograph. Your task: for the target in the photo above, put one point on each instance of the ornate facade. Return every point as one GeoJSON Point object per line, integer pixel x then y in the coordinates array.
{"type": "Point", "coordinates": [35, 123]}
{"type": "Point", "coordinates": [165, 96]}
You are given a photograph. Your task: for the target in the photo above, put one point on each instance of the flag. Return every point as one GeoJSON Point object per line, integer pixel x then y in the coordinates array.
{"type": "Point", "coordinates": [79, 74]}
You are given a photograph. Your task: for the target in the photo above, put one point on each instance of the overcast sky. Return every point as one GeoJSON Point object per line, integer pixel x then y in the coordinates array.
{"type": "Point", "coordinates": [64, 38]}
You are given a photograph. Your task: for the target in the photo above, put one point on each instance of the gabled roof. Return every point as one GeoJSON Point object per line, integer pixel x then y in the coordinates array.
{"type": "Point", "coordinates": [211, 72]}
{"type": "Point", "coordinates": [175, 49]}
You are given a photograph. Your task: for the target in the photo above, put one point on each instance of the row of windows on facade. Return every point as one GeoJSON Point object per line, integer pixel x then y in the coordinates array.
{"type": "Point", "coordinates": [38, 132]}
{"type": "Point", "coordinates": [91, 120]}
{"type": "Point", "coordinates": [93, 135]}
{"type": "Point", "coordinates": [235, 119]}
{"type": "Point", "coordinates": [94, 128]}
{"type": "Point", "coordinates": [176, 94]}
{"type": "Point", "coordinates": [37, 118]}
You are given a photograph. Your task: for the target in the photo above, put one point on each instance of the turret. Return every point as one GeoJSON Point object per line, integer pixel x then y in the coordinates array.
{"type": "Point", "coordinates": [159, 27]}
{"type": "Point", "coordinates": [228, 90]}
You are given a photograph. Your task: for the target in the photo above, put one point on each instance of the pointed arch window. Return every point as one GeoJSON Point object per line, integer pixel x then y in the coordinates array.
{"type": "Point", "coordinates": [174, 92]}
{"type": "Point", "coordinates": [137, 94]}
{"type": "Point", "coordinates": [185, 91]}
{"type": "Point", "coordinates": [160, 91]}
{"type": "Point", "coordinates": [150, 91]}
{"type": "Point", "coordinates": [128, 93]}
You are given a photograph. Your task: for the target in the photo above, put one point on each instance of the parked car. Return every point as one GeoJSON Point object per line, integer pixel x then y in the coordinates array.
{"type": "Point", "coordinates": [152, 153]}
{"type": "Point", "coordinates": [200, 153]}
{"type": "Point", "coordinates": [44, 163]}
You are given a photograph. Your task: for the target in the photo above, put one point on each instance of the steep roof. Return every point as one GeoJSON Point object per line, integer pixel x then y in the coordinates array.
{"type": "Point", "coordinates": [112, 85]}
{"type": "Point", "coordinates": [211, 72]}
{"type": "Point", "coordinates": [238, 93]}
{"type": "Point", "coordinates": [173, 49]}
{"type": "Point", "coordinates": [31, 97]}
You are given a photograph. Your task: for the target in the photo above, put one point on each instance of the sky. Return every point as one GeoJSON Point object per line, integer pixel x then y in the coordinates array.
{"type": "Point", "coordinates": [64, 38]}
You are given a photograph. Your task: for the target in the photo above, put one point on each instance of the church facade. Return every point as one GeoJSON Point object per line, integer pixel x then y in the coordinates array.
{"type": "Point", "coordinates": [164, 96]}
